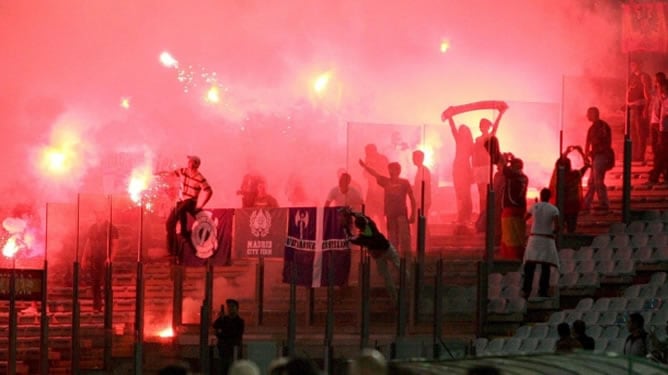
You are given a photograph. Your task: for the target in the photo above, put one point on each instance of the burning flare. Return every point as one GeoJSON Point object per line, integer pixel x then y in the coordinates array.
{"type": "Point", "coordinates": [166, 333]}
{"type": "Point", "coordinates": [140, 180]}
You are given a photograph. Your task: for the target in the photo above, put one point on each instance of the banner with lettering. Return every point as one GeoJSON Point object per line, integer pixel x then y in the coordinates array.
{"type": "Point", "coordinates": [211, 237]}
{"type": "Point", "coordinates": [260, 232]}
{"type": "Point", "coordinates": [27, 284]}
{"type": "Point", "coordinates": [316, 244]}
{"type": "Point", "coordinates": [644, 27]}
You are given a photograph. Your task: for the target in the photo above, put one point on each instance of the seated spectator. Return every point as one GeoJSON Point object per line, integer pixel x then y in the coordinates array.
{"type": "Point", "coordinates": [369, 362]}
{"type": "Point", "coordinates": [659, 348]}
{"type": "Point", "coordinates": [566, 342]}
{"type": "Point", "coordinates": [636, 342]}
{"type": "Point", "coordinates": [580, 334]}
{"type": "Point", "coordinates": [244, 367]}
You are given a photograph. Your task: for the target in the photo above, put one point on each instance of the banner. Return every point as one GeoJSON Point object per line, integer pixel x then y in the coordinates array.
{"type": "Point", "coordinates": [644, 27]}
{"type": "Point", "coordinates": [316, 243]}
{"type": "Point", "coordinates": [211, 237]}
{"type": "Point", "coordinates": [28, 284]}
{"type": "Point", "coordinates": [260, 232]}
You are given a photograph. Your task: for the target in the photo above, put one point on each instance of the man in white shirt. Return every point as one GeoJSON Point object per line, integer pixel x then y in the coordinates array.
{"type": "Point", "coordinates": [344, 194]}
{"type": "Point", "coordinates": [541, 247]}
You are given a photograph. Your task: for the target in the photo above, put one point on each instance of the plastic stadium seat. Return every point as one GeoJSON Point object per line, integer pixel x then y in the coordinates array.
{"type": "Point", "coordinates": [639, 240]}
{"type": "Point", "coordinates": [556, 318]}
{"type": "Point", "coordinates": [658, 278]}
{"type": "Point", "coordinates": [588, 280]}
{"type": "Point", "coordinates": [661, 254]}
{"type": "Point", "coordinates": [608, 318]}
{"type": "Point", "coordinates": [636, 305]}
{"type": "Point", "coordinates": [624, 253]}
{"type": "Point", "coordinates": [636, 227]}
{"type": "Point", "coordinates": [566, 266]}
{"type": "Point", "coordinates": [610, 332]}
{"type": "Point", "coordinates": [572, 316]}
{"type": "Point", "coordinates": [584, 253]}
{"type": "Point", "coordinates": [632, 292]}
{"type": "Point", "coordinates": [546, 345]}
{"type": "Point", "coordinates": [480, 345]}
{"type": "Point", "coordinates": [523, 332]}
{"type": "Point", "coordinates": [620, 241]}
{"type": "Point", "coordinates": [659, 319]}
{"type": "Point", "coordinates": [494, 291]}
{"type": "Point", "coordinates": [644, 254]}
{"type": "Point", "coordinates": [600, 344]}
{"type": "Point", "coordinates": [616, 346]}
{"type": "Point", "coordinates": [594, 331]}
{"type": "Point", "coordinates": [569, 280]}
{"type": "Point", "coordinates": [654, 227]}
{"type": "Point", "coordinates": [511, 291]}
{"type": "Point", "coordinates": [585, 266]}
{"type": "Point", "coordinates": [495, 279]}
{"type": "Point", "coordinates": [565, 254]}
{"type": "Point", "coordinates": [528, 345]}
{"type": "Point", "coordinates": [618, 304]}
{"type": "Point", "coordinates": [600, 241]}
{"type": "Point", "coordinates": [601, 304]}
{"type": "Point", "coordinates": [590, 317]}
{"type": "Point", "coordinates": [552, 333]}
{"type": "Point", "coordinates": [494, 347]}
{"type": "Point", "coordinates": [512, 278]}
{"type": "Point", "coordinates": [516, 305]}
{"type": "Point", "coordinates": [603, 254]}
{"type": "Point", "coordinates": [662, 292]}
{"type": "Point", "coordinates": [605, 266]}
{"type": "Point", "coordinates": [658, 240]}
{"type": "Point", "coordinates": [617, 228]}
{"type": "Point", "coordinates": [585, 304]}
{"type": "Point", "coordinates": [497, 305]}
{"type": "Point", "coordinates": [648, 291]}
{"type": "Point", "coordinates": [511, 346]}
{"type": "Point", "coordinates": [540, 331]}
{"type": "Point", "coordinates": [625, 267]}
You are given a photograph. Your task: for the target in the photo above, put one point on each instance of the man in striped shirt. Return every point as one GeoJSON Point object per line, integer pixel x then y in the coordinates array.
{"type": "Point", "coordinates": [192, 184]}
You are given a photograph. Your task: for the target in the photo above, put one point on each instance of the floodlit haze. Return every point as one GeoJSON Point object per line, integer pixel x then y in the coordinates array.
{"type": "Point", "coordinates": [272, 85]}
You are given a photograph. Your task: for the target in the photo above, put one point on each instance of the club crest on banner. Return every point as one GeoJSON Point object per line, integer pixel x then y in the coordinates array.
{"type": "Point", "coordinates": [260, 223]}
{"type": "Point", "coordinates": [204, 235]}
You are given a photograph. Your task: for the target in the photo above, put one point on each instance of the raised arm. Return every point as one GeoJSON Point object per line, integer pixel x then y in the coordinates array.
{"type": "Point", "coordinates": [453, 128]}
{"type": "Point", "coordinates": [369, 170]}
{"type": "Point", "coordinates": [502, 107]}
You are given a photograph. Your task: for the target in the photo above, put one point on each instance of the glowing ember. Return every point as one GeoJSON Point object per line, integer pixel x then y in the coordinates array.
{"type": "Point", "coordinates": [168, 60]}
{"type": "Point", "coordinates": [445, 46]}
{"type": "Point", "coordinates": [11, 247]}
{"type": "Point", "coordinates": [54, 160]}
{"type": "Point", "coordinates": [213, 95]}
{"type": "Point", "coordinates": [166, 333]}
{"type": "Point", "coordinates": [125, 103]}
{"type": "Point", "coordinates": [532, 194]}
{"type": "Point", "coordinates": [320, 83]}
{"type": "Point", "coordinates": [140, 179]}
{"type": "Point", "coordinates": [428, 151]}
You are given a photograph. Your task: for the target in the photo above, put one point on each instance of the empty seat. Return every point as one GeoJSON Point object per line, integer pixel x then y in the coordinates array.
{"type": "Point", "coordinates": [661, 254]}
{"type": "Point", "coordinates": [511, 346]}
{"type": "Point", "coordinates": [623, 253]}
{"type": "Point", "coordinates": [552, 333]}
{"type": "Point", "coordinates": [494, 291]}
{"type": "Point", "coordinates": [480, 345]}
{"type": "Point", "coordinates": [636, 227]}
{"type": "Point", "coordinates": [584, 253]}
{"type": "Point", "coordinates": [511, 291]}
{"type": "Point", "coordinates": [625, 267]}
{"type": "Point", "coordinates": [512, 278]}
{"type": "Point", "coordinates": [585, 266]}
{"type": "Point", "coordinates": [572, 316]}
{"type": "Point", "coordinates": [497, 305]}
{"type": "Point", "coordinates": [618, 304]}
{"type": "Point", "coordinates": [603, 254]}
{"type": "Point", "coordinates": [494, 347]}
{"type": "Point", "coordinates": [615, 346]}
{"type": "Point", "coordinates": [636, 305]}
{"type": "Point", "coordinates": [620, 240]}
{"type": "Point", "coordinates": [608, 318]}
{"type": "Point", "coordinates": [617, 228]}
{"type": "Point", "coordinates": [495, 279]}
{"type": "Point", "coordinates": [605, 266]}
{"type": "Point", "coordinates": [523, 332]}
{"type": "Point", "coordinates": [639, 240]}
{"type": "Point", "coordinates": [600, 241]}
{"type": "Point", "coordinates": [610, 332]}
{"type": "Point", "coordinates": [658, 278]}
{"type": "Point", "coordinates": [658, 240]}
{"type": "Point", "coordinates": [601, 304]}
{"type": "Point", "coordinates": [590, 317]}
{"type": "Point", "coordinates": [516, 305]}
{"type": "Point", "coordinates": [589, 280]}
{"type": "Point", "coordinates": [546, 345]}
{"type": "Point", "coordinates": [528, 345]}
{"type": "Point", "coordinates": [632, 292]}
{"type": "Point", "coordinates": [556, 318]}
{"type": "Point", "coordinates": [644, 254]}
{"type": "Point", "coordinates": [600, 344]}
{"type": "Point", "coordinates": [654, 227]}
{"type": "Point", "coordinates": [662, 292]}
{"type": "Point", "coordinates": [566, 266]}
{"type": "Point", "coordinates": [569, 280]}
{"type": "Point", "coordinates": [648, 291]}
{"type": "Point", "coordinates": [594, 331]}
{"type": "Point", "coordinates": [585, 304]}
{"type": "Point", "coordinates": [565, 254]}
{"type": "Point", "coordinates": [540, 331]}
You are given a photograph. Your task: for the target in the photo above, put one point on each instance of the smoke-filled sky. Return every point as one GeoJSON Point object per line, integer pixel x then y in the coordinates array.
{"type": "Point", "coordinates": [67, 65]}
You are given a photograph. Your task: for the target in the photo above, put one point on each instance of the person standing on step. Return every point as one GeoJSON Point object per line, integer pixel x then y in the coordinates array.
{"type": "Point", "coordinates": [229, 330]}
{"type": "Point", "coordinates": [100, 235]}
{"type": "Point", "coordinates": [598, 148]}
{"type": "Point", "coordinates": [541, 247]}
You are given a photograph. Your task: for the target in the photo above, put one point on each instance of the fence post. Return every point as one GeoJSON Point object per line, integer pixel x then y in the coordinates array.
{"type": "Point", "coordinates": [438, 308]}
{"type": "Point", "coordinates": [259, 275]}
